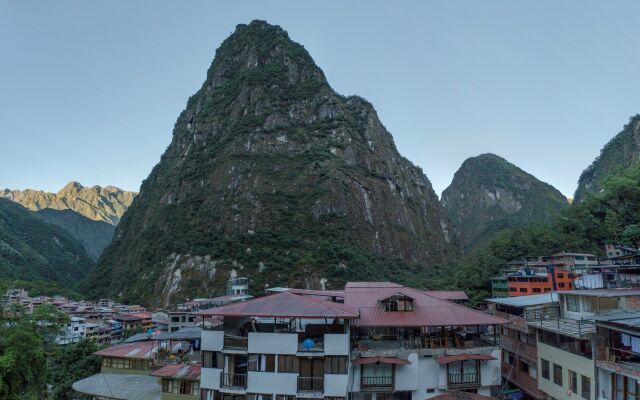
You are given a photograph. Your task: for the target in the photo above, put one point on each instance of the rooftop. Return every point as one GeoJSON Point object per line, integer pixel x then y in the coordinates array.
{"type": "Point", "coordinates": [448, 294]}
{"type": "Point", "coordinates": [524, 301]}
{"type": "Point", "coordinates": [130, 350]}
{"type": "Point", "coordinates": [120, 386]}
{"type": "Point", "coordinates": [179, 371]}
{"type": "Point", "coordinates": [604, 292]}
{"type": "Point", "coordinates": [284, 305]}
{"type": "Point", "coordinates": [428, 310]}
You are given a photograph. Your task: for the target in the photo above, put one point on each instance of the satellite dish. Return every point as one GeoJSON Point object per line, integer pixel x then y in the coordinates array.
{"type": "Point", "coordinates": [308, 343]}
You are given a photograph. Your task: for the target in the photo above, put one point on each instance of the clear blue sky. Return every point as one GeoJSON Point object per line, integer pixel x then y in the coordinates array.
{"type": "Point", "coordinates": [89, 90]}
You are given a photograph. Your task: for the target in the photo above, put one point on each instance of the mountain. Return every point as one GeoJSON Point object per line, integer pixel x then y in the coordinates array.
{"type": "Point", "coordinates": [272, 173]}
{"type": "Point", "coordinates": [89, 214]}
{"type": "Point", "coordinates": [622, 152]}
{"type": "Point", "coordinates": [97, 203]}
{"type": "Point", "coordinates": [94, 236]}
{"type": "Point", "coordinates": [32, 249]}
{"type": "Point", "coordinates": [488, 194]}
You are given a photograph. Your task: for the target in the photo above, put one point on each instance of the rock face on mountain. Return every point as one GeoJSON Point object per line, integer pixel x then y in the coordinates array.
{"type": "Point", "coordinates": [489, 194]}
{"type": "Point", "coordinates": [98, 203]}
{"type": "Point", "coordinates": [273, 174]}
{"type": "Point", "coordinates": [32, 249]}
{"type": "Point", "coordinates": [623, 151]}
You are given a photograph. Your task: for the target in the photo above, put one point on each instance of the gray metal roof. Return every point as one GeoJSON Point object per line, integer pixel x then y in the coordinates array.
{"type": "Point", "coordinates": [138, 337]}
{"type": "Point", "coordinates": [524, 301]}
{"type": "Point", "coordinates": [626, 318]}
{"type": "Point", "coordinates": [120, 386]}
{"type": "Point", "coordinates": [187, 333]}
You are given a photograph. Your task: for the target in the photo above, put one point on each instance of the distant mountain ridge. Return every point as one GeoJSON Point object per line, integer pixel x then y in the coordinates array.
{"type": "Point", "coordinates": [89, 214]}
{"type": "Point", "coordinates": [97, 203]}
{"type": "Point", "coordinates": [32, 249]}
{"type": "Point", "coordinates": [621, 152]}
{"type": "Point", "coordinates": [488, 194]}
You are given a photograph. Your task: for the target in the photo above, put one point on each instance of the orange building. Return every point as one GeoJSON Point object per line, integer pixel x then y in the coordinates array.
{"type": "Point", "coordinates": [539, 280]}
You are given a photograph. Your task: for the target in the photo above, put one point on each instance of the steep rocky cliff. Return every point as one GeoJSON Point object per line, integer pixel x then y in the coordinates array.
{"type": "Point", "coordinates": [98, 203]}
{"type": "Point", "coordinates": [272, 173]}
{"type": "Point", "coordinates": [489, 194]}
{"type": "Point", "coordinates": [623, 151]}
{"type": "Point", "coordinates": [32, 249]}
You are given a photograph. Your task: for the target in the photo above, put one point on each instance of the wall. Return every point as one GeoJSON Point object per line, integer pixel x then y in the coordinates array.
{"type": "Point", "coordinates": [212, 340]}
{"type": "Point", "coordinates": [272, 382]}
{"type": "Point", "coordinates": [336, 344]}
{"type": "Point", "coordinates": [273, 343]}
{"type": "Point", "coordinates": [581, 365]}
{"type": "Point", "coordinates": [210, 378]}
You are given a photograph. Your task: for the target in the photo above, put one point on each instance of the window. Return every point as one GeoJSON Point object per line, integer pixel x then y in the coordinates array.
{"type": "Point", "coordinates": [585, 387]}
{"type": "Point", "coordinates": [257, 396]}
{"type": "Point", "coordinates": [547, 289]}
{"type": "Point", "coordinates": [573, 304]}
{"type": "Point", "coordinates": [561, 284]}
{"type": "Point", "coordinates": [573, 381]}
{"type": "Point", "coordinates": [398, 303]}
{"type": "Point", "coordinates": [512, 289]}
{"type": "Point", "coordinates": [262, 362]}
{"type": "Point", "coordinates": [557, 374]}
{"type": "Point", "coordinates": [212, 359]}
{"type": "Point", "coordinates": [285, 397]}
{"type": "Point", "coordinates": [533, 372]}
{"type": "Point", "coordinates": [544, 364]}
{"type": "Point", "coordinates": [335, 365]}
{"type": "Point", "coordinates": [288, 364]}
{"type": "Point", "coordinates": [536, 290]}
{"type": "Point", "coordinates": [624, 388]}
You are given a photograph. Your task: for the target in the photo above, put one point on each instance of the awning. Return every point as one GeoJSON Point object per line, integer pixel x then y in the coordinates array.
{"type": "Point", "coordinates": [461, 357]}
{"type": "Point", "coordinates": [381, 360]}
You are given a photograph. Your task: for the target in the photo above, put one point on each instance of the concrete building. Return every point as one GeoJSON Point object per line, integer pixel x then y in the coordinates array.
{"type": "Point", "coordinates": [386, 340]}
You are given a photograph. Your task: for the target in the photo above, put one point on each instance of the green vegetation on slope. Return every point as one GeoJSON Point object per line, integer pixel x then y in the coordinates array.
{"type": "Point", "coordinates": [621, 152]}
{"type": "Point", "coordinates": [488, 195]}
{"type": "Point", "coordinates": [31, 249]}
{"type": "Point", "coordinates": [612, 216]}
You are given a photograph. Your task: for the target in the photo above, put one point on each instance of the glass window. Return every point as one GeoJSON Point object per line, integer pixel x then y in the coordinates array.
{"type": "Point", "coordinates": [585, 387]}
{"type": "Point", "coordinates": [573, 304]}
{"type": "Point", "coordinates": [573, 381]}
{"type": "Point", "coordinates": [544, 364]}
{"type": "Point", "coordinates": [523, 290]}
{"type": "Point", "coordinates": [288, 364]}
{"type": "Point", "coordinates": [261, 362]}
{"type": "Point", "coordinates": [335, 365]}
{"type": "Point", "coordinates": [557, 374]}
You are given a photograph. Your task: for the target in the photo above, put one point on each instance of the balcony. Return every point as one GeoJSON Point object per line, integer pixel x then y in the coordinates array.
{"type": "Point", "coordinates": [238, 381]}
{"type": "Point", "coordinates": [522, 380]}
{"type": "Point", "coordinates": [463, 380]}
{"type": "Point", "coordinates": [550, 319]}
{"type": "Point", "coordinates": [310, 384]}
{"type": "Point", "coordinates": [376, 383]}
{"type": "Point", "coordinates": [239, 343]}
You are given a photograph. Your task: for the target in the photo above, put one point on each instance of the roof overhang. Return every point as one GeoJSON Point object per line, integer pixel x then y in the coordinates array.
{"type": "Point", "coordinates": [461, 357]}
{"type": "Point", "coordinates": [381, 360]}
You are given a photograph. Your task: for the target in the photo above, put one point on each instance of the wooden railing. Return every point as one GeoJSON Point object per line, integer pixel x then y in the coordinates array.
{"type": "Point", "coordinates": [233, 380]}
{"type": "Point", "coordinates": [310, 384]}
{"type": "Point", "coordinates": [235, 342]}
{"type": "Point", "coordinates": [376, 381]}
{"type": "Point", "coordinates": [464, 379]}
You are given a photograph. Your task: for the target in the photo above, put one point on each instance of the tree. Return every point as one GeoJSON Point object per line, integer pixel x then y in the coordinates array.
{"type": "Point", "coordinates": [71, 363]}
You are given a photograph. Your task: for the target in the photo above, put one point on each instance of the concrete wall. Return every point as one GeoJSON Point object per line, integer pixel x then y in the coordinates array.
{"type": "Point", "coordinates": [273, 343]}
{"type": "Point", "coordinates": [336, 344]}
{"type": "Point", "coordinates": [272, 383]}
{"type": "Point", "coordinates": [212, 340]}
{"type": "Point", "coordinates": [406, 376]}
{"type": "Point", "coordinates": [568, 361]}
{"type": "Point", "coordinates": [335, 385]}
{"type": "Point", "coordinates": [490, 373]}
{"type": "Point", "coordinates": [210, 378]}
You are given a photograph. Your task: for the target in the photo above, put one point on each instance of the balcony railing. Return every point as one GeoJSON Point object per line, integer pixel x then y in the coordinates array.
{"type": "Point", "coordinates": [549, 318]}
{"type": "Point", "coordinates": [464, 379]}
{"type": "Point", "coordinates": [236, 342]}
{"type": "Point", "coordinates": [376, 382]}
{"type": "Point", "coordinates": [310, 384]}
{"type": "Point", "coordinates": [233, 380]}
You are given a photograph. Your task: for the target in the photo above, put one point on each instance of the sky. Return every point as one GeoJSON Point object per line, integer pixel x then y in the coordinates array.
{"type": "Point", "coordinates": [90, 91]}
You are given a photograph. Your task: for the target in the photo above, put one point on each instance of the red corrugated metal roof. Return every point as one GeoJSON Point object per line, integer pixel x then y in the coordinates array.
{"type": "Point", "coordinates": [427, 309]}
{"type": "Point", "coordinates": [179, 371]}
{"type": "Point", "coordinates": [447, 294]}
{"type": "Point", "coordinates": [284, 305]}
{"type": "Point", "coordinates": [381, 360]}
{"type": "Point", "coordinates": [130, 350]}
{"type": "Point", "coordinates": [461, 357]}
{"type": "Point", "coordinates": [321, 293]}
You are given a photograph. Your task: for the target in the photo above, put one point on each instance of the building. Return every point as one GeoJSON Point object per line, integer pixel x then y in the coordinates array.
{"type": "Point", "coordinates": [499, 287]}
{"type": "Point", "coordinates": [138, 320]}
{"type": "Point", "coordinates": [527, 281]}
{"type": "Point", "coordinates": [384, 341]}
{"type": "Point", "coordinates": [519, 344]}
{"type": "Point", "coordinates": [179, 381]}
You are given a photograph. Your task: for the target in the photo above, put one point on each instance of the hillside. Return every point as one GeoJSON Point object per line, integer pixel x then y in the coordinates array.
{"type": "Point", "coordinates": [97, 203]}
{"type": "Point", "coordinates": [272, 173]}
{"type": "Point", "coordinates": [31, 249]}
{"type": "Point", "coordinates": [488, 194]}
{"type": "Point", "coordinates": [93, 235]}
{"type": "Point", "coordinates": [623, 151]}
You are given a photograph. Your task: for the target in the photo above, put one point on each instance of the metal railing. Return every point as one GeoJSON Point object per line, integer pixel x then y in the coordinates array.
{"type": "Point", "coordinates": [463, 379]}
{"type": "Point", "coordinates": [235, 342]}
{"type": "Point", "coordinates": [376, 381]}
{"type": "Point", "coordinates": [233, 380]}
{"type": "Point", "coordinates": [310, 384]}
{"type": "Point", "coordinates": [550, 318]}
